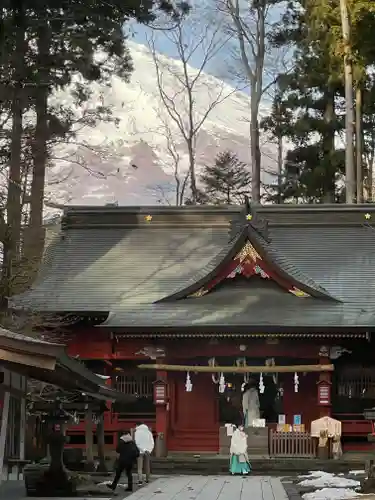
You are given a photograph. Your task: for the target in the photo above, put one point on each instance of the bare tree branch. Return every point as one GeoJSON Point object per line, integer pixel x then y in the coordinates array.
{"type": "Point", "coordinates": [179, 107]}
{"type": "Point", "coordinates": [250, 24]}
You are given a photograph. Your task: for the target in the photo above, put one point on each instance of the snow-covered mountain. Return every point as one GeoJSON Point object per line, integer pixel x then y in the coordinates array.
{"type": "Point", "coordinates": [129, 162]}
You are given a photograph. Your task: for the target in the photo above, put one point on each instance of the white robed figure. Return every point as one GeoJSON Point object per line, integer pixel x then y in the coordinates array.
{"type": "Point", "coordinates": [250, 403]}
{"type": "Point", "coordinates": [239, 460]}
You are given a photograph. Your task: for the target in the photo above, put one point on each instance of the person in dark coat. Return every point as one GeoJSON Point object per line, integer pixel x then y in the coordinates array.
{"type": "Point", "coordinates": [128, 454]}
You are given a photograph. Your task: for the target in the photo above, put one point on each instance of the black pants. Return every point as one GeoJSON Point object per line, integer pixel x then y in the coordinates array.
{"type": "Point", "coordinates": [119, 470]}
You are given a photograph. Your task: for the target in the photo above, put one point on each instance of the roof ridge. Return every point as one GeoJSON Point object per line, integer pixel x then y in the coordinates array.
{"type": "Point", "coordinates": [249, 216]}
{"type": "Point", "coordinates": [285, 207]}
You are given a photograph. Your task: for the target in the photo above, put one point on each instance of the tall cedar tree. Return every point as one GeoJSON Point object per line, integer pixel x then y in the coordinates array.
{"type": "Point", "coordinates": [227, 181]}
{"type": "Point", "coordinates": [308, 119]}
{"type": "Point", "coordinates": [313, 111]}
{"type": "Point", "coordinates": [44, 47]}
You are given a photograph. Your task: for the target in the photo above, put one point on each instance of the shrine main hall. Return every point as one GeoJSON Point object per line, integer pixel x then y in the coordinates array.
{"type": "Point", "coordinates": [180, 306]}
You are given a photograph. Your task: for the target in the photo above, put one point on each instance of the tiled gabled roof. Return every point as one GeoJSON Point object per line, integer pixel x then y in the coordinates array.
{"type": "Point", "coordinates": [111, 260]}
{"type": "Point", "coordinates": [263, 245]}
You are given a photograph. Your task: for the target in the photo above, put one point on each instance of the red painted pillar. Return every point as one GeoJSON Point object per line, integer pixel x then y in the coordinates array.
{"type": "Point", "coordinates": [162, 411]}
{"type": "Point", "coordinates": [162, 415]}
{"type": "Point", "coordinates": [324, 385]}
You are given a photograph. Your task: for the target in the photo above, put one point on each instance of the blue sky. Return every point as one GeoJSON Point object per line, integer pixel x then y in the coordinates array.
{"type": "Point", "coordinates": [141, 33]}
{"type": "Point", "coordinates": [163, 45]}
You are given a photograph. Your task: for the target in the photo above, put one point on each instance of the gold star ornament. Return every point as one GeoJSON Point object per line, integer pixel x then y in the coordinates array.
{"type": "Point", "coordinates": [367, 216]}
{"type": "Point", "coordinates": [249, 217]}
{"type": "Point", "coordinates": [148, 218]}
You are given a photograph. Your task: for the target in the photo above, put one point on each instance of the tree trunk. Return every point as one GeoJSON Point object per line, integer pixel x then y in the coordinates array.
{"type": "Point", "coordinates": [178, 184]}
{"type": "Point", "coordinates": [12, 239]}
{"type": "Point", "coordinates": [370, 182]}
{"type": "Point", "coordinates": [101, 448]}
{"type": "Point", "coordinates": [255, 154]}
{"type": "Point", "coordinates": [14, 208]}
{"type": "Point", "coordinates": [349, 107]}
{"type": "Point", "coordinates": [193, 178]}
{"type": "Point", "coordinates": [329, 147]}
{"type": "Point", "coordinates": [359, 144]}
{"type": "Point", "coordinates": [280, 150]}
{"type": "Point", "coordinates": [35, 236]}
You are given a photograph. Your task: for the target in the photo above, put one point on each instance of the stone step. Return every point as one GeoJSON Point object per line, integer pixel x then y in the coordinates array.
{"type": "Point", "coordinates": [260, 465]}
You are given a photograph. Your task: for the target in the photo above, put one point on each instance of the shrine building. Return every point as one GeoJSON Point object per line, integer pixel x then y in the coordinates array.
{"type": "Point", "coordinates": [181, 305]}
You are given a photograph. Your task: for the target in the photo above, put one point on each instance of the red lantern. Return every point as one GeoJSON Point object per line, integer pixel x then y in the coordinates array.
{"type": "Point", "coordinates": [324, 393]}
{"type": "Point", "coordinates": [160, 392]}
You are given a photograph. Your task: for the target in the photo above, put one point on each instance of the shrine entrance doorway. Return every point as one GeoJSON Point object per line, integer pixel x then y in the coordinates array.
{"type": "Point", "coordinates": [194, 419]}
{"type": "Point", "coordinates": [230, 402]}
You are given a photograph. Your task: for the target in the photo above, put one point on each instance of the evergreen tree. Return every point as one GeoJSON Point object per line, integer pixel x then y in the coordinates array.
{"type": "Point", "coordinates": [44, 47]}
{"type": "Point", "coordinates": [309, 119]}
{"type": "Point", "coordinates": [227, 181]}
{"type": "Point", "coordinates": [312, 108]}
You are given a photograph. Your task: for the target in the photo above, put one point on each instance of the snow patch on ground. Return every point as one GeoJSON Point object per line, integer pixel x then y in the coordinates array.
{"type": "Point", "coordinates": [313, 473]}
{"type": "Point", "coordinates": [107, 483]}
{"type": "Point", "coordinates": [319, 479]}
{"type": "Point", "coordinates": [331, 494]}
{"type": "Point", "coordinates": [330, 486]}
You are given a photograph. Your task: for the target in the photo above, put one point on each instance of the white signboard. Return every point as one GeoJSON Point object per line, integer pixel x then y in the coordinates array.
{"type": "Point", "coordinates": [282, 419]}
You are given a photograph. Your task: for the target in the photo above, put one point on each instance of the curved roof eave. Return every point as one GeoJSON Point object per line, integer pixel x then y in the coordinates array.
{"type": "Point", "coordinates": [267, 253]}
{"type": "Point", "coordinates": [211, 269]}
{"type": "Point", "coordinates": [278, 263]}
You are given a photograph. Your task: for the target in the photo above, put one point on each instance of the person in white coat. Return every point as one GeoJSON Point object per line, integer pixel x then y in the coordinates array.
{"type": "Point", "coordinates": [239, 459]}
{"type": "Point", "coordinates": [250, 403]}
{"type": "Point", "coordinates": [145, 442]}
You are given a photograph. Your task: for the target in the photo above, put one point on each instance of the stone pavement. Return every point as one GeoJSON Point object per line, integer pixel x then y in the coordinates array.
{"type": "Point", "coordinates": [212, 488]}
{"type": "Point", "coordinates": [182, 488]}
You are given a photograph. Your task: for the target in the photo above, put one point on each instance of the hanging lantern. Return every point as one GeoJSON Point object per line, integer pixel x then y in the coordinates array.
{"type": "Point", "coordinates": [222, 383]}
{"type": "Point", "coordinates": [296, 382]}
{"type": "Point", "coordinates": [188, 384]}
{"type": "Point", "coordinates": [261, 384]}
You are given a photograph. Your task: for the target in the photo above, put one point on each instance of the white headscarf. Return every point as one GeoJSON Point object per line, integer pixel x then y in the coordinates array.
{"type": "Point", "coordinates": [238, 443]}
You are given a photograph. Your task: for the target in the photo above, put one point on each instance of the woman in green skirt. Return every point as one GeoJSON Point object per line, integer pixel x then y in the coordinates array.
{"type": "Point", "coordinates": [239, 459]}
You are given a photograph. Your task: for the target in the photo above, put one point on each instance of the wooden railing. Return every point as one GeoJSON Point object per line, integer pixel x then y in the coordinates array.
{"type": "Point", "coordinates": [140, 384]}
{"type": "Point", "coordinates": [291, 444]}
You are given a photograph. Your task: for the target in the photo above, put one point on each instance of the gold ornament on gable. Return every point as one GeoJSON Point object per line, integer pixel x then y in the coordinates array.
{"type": "Point", "coordinates": [248, 252]}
